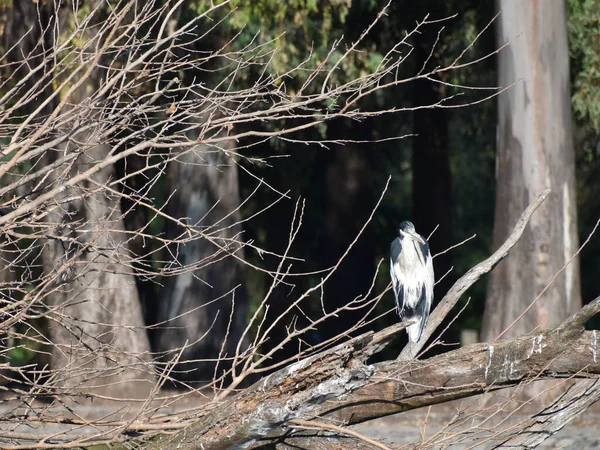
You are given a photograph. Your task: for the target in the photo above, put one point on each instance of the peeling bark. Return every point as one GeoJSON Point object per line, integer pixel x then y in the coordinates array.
{"type": "Point", "coordinates": [535, 152]}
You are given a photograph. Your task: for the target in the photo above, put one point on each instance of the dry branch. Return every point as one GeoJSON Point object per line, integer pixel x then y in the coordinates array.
{"type": "Point", "coordinates": [337, 387]}
{"type": "Point", "coordinates": [560, 353]}
{"type": "Point", "coordinates": [297, 391]}
{"type": "Point", "coordinates": [468, 279]}
{"type": "Point", "coordinates": [552, 419]}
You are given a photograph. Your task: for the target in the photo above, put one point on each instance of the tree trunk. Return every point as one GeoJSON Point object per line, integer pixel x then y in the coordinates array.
{"type": "Point", "coordinates": [99, 341]}
{"type": "Point", "coordinates": [349, 202]}
{"type": "Point", "coordinates": [535, 151]}
{"type": "Point", "coordinates": [138, 218]}
{"type": "Point", "coordinates": [432, 184]}
{"type": "Point", "coordinates": [205, 196]}
{"type": "Point", "coordinates": [100, 344]}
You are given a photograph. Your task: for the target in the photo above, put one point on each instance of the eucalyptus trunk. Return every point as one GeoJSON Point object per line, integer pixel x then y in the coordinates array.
{"type": "Point", "coordinates": [535, 151]}
{"type": "Point", "coordinates": [203, 308]}
{"type": "Point", "coordinates": [100, 344]}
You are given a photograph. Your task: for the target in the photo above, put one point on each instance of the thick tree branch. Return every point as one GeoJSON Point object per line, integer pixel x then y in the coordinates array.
{"type": "Point", "coordinates": [295, 392]}
{"type": "Point", "coordinates": [336, 386]}
{"type": "Point", "coordinates": [467, 280]}
{"type": "Point", "coordinates": [472, 370]}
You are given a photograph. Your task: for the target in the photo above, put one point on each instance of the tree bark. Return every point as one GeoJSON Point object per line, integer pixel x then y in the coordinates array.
{"type": "Point", "coordinates": [99, 341]}
{"type": "Point", "coordinates": [535, 151]}
{"type": "Point", "coordinates": [211, 298]}
{"type": "Point", "coordinates": [100, 344]}
{"type": "Point", "coordinates": [432, 183]}
{"type": "Point", "coordinates": [336, 386]}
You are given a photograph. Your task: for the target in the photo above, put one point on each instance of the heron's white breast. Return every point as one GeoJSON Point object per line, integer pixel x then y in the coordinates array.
{"type": "Point", "coordinates": [411, 270]}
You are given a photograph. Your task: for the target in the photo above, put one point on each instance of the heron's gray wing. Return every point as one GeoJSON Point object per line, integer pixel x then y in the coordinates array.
{"type": "Point", "coordinates": [423, 251]}
{"type": "Point", "coordinates": [426, 298]}
{"type": "Point", "coordinates": [395, 250]}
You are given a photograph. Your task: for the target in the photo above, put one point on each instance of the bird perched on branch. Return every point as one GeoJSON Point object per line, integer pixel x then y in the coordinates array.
{"type": "Point", "coordinates": [411, 269]}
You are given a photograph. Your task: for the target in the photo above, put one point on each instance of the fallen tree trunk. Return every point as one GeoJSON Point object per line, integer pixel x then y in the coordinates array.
{"type": "Point", "coordinates": [296, 391]}
{"type": "Point", "coordinates": [338, 387]}
{"type": "Point", "coordinates": [568, 351]}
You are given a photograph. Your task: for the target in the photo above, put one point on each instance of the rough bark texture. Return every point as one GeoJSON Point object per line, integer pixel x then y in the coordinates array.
{"type": "Point", "coordinates": [204, 184]}
{"type": "Point", "coordinates": [99, 341]}
{"type": "Point", "coordinates": [337, 386]}
{"type": "Point", "coordinates": [535, 151]}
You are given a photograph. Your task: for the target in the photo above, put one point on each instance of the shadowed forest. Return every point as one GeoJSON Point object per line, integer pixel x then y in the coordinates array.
{"type": "Point", "coordinates": [197, 201]}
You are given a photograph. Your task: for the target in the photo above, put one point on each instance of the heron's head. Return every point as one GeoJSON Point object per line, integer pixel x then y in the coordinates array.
{"type": "Point", "coordinates": [407, 231]}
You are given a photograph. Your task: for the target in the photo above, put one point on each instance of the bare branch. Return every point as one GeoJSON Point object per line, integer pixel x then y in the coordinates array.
{"type": "Point", "coordinates": [467, 280]}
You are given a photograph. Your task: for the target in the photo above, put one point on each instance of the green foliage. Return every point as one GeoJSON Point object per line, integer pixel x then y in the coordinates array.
{"type": "Point", "coordinates": [29, 344]}
{"type": "Point", "coordinates": [295, 32]}
{"type": "Point", "coordinates": [584, 51]}
{"type": "Point", "coordinates": [584, 48]}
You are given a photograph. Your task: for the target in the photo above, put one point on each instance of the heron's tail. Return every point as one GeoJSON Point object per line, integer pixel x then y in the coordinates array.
{"type": "Point", "coordinates": [416, 329]}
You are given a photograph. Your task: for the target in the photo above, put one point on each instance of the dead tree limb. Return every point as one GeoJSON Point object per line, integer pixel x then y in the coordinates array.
{"type": "Point", "coordinates": [294, 392]}
{"type": "Point", "coordinates": [569, 405]}
{"type": "Point", "coordinates": [567, 351]}
{"type": "Point", "coordinates": [467, 280]}
{"type": "Point", "coordinates": [337, 387]}
{"type": "Point", "coordinates": [552, 419]}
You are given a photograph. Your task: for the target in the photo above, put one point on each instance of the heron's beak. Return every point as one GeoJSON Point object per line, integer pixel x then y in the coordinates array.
{"type": "Point", "coordinates": [416, 237]}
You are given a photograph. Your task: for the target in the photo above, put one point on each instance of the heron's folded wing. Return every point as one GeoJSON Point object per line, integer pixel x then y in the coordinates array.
{"type": "Point", "coordinates": [423, 251]}
{"type": "Point", "coordinates": [430, 276]}
{"type": "Point", "coordinates": [395, 250]}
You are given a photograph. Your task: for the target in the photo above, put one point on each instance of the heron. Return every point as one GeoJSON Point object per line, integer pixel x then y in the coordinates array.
{"type": "Point", "coordinates": [411, 270]}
